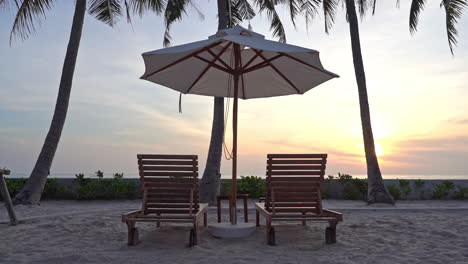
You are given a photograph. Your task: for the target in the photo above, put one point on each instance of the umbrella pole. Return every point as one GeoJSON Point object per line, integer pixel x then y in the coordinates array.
{"type": "Point", "coordinates": [234, 136]}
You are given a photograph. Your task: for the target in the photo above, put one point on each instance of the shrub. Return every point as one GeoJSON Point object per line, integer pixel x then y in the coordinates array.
{"type": "Point", "coordinates": [252, 185]}
{"type": "Point", "coordinates": [353, 188]}
{"type": "Point", "coordinates": [405, 188]}
{"type": "Point", "coordinates": [461, 193]}
{"type": "Point", "coordinates": [326, 194]}
{"type": "Point", "coordinates": [15, 185]}
{"type": "Point", "coordinates": [116, 188]}
{"type": "Point", "coordinates": [226, 188]}
{"type": "Point", "coordinates": [419, 184]}
{"type": "Point", "coordinates": [344, 177]}
{"type": "Point", "coordinates": [51, 189]}
{"type": "Point", "coordinates": [394, 191]}
{"type": "Point", "coordinates": [442, 190]}
{"type": "Point", "coordinates": [351, 192]}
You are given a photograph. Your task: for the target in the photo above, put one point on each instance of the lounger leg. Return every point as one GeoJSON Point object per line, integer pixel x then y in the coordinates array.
{"type": "Point", "coordinates": [303, 221]}
{"type": "Point", "coordinates": [257, 218]}
{"type": "Point", "coordinates": [218, 206]}
{"type": "Point", "coordinates": [197, 232]}
{"type": "Point", "coordinates": [132, 234]}
{"type": "Point", "coordinates": [205, 219]}
{"type": "Point", "coordinates": [246, 211]}
{"type": "Point", "coordinates": [330, 232]}
{"type": "Point", "coordinates": [158, 224]}
{"type": "Point", "coordinates": [271, 240]}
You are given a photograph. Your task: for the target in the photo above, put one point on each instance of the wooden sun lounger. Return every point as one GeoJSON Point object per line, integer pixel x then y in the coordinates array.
{"type": "Point", "coordinates": [294, 186]}
{"type": "Point", "coordinates": [169, 185]}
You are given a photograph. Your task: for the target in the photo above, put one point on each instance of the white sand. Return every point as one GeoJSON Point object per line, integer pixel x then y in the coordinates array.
{"type": "Point", "coordinates": [91, 232]}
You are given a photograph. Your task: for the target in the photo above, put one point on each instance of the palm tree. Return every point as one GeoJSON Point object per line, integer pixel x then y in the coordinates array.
{"type": "Point", "coordinates": [230, 13]}
{"type": "Point", "coordinates": [29, 12]}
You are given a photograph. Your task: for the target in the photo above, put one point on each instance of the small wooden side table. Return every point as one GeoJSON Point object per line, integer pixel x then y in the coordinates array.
{"type": "Point", "coordinates": [244, 197]}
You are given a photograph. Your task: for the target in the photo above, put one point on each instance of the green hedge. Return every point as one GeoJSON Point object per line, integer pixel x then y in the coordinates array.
{"type": "Point", "coordinates": [83, 188]}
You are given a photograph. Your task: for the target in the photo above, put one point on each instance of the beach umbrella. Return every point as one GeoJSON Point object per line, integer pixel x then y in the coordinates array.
{"type": "Point", "coordinates": [237, 63]}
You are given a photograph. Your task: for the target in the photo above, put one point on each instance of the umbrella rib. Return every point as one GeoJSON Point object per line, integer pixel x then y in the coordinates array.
{"type": "Point", "coordinates": [213, 64]}
{"type": "Point", "coordinates": [251, 60]}
{"type": "Point", "coordinates": [311, 66]}
{"type": "Point", "coordinates": [278, 72]}
{"type": "Point", "coordinates": [182, 59]}
{"type": "Point", "coordinates": [262, 64]}
{"type": "Point", "coordinates": [218, 58]}
{"type": "Point", "coordinates": [207, 67]}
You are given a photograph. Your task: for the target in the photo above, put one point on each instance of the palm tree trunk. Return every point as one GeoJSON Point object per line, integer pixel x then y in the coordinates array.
{"type": "Point", "coordinates": [32, 191]}
{"type": "Point", "coordinates": [210, 182]}
{"type": "Point", "coordinates": [377, 192]}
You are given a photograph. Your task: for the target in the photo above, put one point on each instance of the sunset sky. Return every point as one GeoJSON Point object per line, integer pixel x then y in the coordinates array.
{"type": "Point", "coordinates": [417, 91]}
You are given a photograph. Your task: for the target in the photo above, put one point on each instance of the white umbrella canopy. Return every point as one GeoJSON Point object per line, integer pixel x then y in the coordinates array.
{"type": "Point", "coordinates": [237, 63]}
{"type": "Point", "coordinates": [269, 68]}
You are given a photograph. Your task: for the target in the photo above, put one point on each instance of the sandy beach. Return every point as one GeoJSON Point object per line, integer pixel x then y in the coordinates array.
{"type": "Point", "coordinates": [91, 232]}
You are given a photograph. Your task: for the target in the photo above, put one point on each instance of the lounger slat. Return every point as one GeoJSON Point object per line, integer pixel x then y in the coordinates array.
{"type": "Point", "coordinates": [165, 157]}
{"type": "Point", "coordinates": [166, 168]}
{"type": "Point", "coordinates": [169, 211]}
{"type": "Point", "coordinates": [175, 200]}
{"type": "Point", "coordinates": [168, 173]}
{"type": "Point", "coordinates": [295, 179]}
{"type": "Point", "coordinates": [301, 189]}
{"type": "Point", "coordinates": [170, 205]}
{"type": "Point", "coordinates": [173, 185]}
{"type": "Point", "coordinates": [295, 184]}
{"type": "Point", "coordinates": [302, 167]}
{"type": "Point", "coordinates": [295, 210]}
{"type": "Point", "coordinates": [177, 180]}
{"type": "Point", "coordinates": [296, 204]}
{"type": "Point", "coordinates": [294, 161]}
{"type": "Point", "coordinates": [298, 156]}
{"type": "Point", "coordinates": [185, 191]}
{"type": "Point", "coordinates": [295, 172]}
{"type": "Point", "coordinates": [167, 162]}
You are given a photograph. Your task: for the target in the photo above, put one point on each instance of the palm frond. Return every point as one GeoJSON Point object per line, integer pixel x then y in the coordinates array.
{"type": "Point", "coordinates": [294, 9]}
{"type": "Point", "coordinates": [416, 7]}
{"type": "Point", "coordinates": [127, 12]}
{"type": "Point", "coordinates": [453, 12]}
{"type": "Point", "coordinates": [245, 9]}
{"type": "Point", "coordinates": [106, 11]}
{"type": "Point", "coordinates": [329, 13]}
{"type": "Point", "coordinates": [362, 7]}
{"type": "Point", "coordinates": [198, 10]}
{"type": "Point", "coordinates": [310, 9]}
{"type": "Point", "coordinates": [29, 13]}
{"type": "Point", "coordinates": [276, 25]}
{"type": "Point", "coordinates": [141, 6]}
{"type": "Point", "coordinates": [175, 9]}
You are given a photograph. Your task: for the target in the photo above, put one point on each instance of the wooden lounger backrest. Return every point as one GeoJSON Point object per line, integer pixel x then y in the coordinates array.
{"type": "Point", "coordinates": [294, 182]}
{"type": "Point", "coordinates": [169, 183]}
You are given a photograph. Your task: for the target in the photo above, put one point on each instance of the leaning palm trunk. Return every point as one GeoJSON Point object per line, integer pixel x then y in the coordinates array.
{"type": "Point", "coordinates": [210, 182]}
{"type": "Point", "coordinates": [377, 192]}
{"type": "Point", "coordinates": [32, 191]}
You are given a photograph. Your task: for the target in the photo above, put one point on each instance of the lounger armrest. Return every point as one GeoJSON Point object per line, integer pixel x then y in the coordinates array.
{"type": "Point", "coordinates": [203, 209]}
{"type": "Point", "coordinates": [131, 214]}
{"type": "Point", "coordinates": [337, 215]}
{"type": "Point", "coordinates": [260, 207]}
